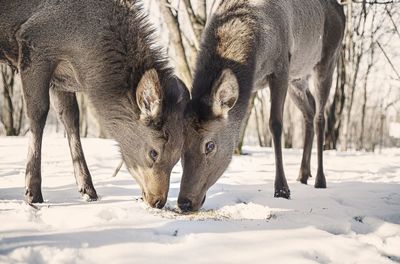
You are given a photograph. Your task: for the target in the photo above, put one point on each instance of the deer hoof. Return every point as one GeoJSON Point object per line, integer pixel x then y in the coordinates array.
{"type": "Point", "coordinates": [33, 196]}
{"type": "Point", "coordinates": [304, 175]}
{"type": "Point", "coordinates": [304, 178]}
{"type": "Point", "coordinates": [89, 194]}
{"type": "Point", "coordinates": [282, 193]}
{"type": "Point", "coordinates": [320, 185]}
{"type": "Point", "coordinates": [320, 182]}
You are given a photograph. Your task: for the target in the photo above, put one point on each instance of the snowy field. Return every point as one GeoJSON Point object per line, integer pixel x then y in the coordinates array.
{"type": "Point", "coordinates": [355, 220]}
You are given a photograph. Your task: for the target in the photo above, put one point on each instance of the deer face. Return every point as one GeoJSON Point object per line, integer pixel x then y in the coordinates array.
{"type": "Point", "coordinates": [209, 144]}
{"type": "Point", "coordinates": [152, 146]}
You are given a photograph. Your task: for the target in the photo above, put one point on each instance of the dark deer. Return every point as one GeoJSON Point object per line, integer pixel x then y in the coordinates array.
{"type": "Point", "coordinates": [104, 49]}
{"type": "Point", "coordinates": [248, 45]}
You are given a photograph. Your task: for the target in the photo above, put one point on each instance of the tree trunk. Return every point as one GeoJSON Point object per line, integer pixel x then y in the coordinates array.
{"type": "Point", "coordinates": [288, 126]}
{"type": "Point", "coordinates": [364, 105]}
{"type": "Point", "coordinates": [20, 119]}
{"type": "Point", "coordinates": [202, 9]}
{"type": "Point", "coordinates": [382, 122]}
{"type": "Point", "coordinates": [7, 117]}
{"type": "Point", "coordinates": [363, 110]}
{"type": "Point", "coordinates": [175, 36]}
{"type": "Point", "coordinates": [83, 115]}
{"type": "Point", "coordinates": [260, 142]}
{"type": "Point", "coordinates": [262, 121]}
{"type": "Point", "coordinates": [197, 21]}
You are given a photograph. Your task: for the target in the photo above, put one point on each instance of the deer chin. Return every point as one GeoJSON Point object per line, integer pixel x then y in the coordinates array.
{"type": "Point", "coordinates": [187, 205]}
{"type": "Point", "coordinates": [188, 202]}
{"type": "Point", "coordinates": [155, 201]}
{"type": "Point", "coordinates": [154, 198]}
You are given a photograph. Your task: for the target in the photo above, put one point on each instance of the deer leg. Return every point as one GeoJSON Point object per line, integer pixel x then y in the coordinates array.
{"type": "Point", "coordinates": [35, 79]}
{"type": "Point", "coordinates": [66, 106]}
{"type": "Point", "coordinates": [304, 100]}
{"type": "Point", "coordinates": [278, 85]}
{"type": "Point", "coordinates": [323, 81]}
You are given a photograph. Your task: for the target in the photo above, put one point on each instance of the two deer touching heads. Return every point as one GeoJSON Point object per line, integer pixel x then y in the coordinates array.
{"type": "Point", "coordinates": [110, 57]}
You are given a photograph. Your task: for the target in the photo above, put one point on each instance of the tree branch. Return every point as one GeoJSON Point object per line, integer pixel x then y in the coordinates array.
{"type": "Point", "coordinates": [388, 59]}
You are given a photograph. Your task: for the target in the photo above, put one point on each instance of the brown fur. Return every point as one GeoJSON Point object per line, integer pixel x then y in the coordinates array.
{"type": "Point", "coordinates": [235, 35]}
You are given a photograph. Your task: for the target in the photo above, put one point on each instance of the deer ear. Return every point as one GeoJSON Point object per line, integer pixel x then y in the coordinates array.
{"type": "Point", "coordinates": [224, 93]}
{"type": "Point", "coordinates": [149, 96]}
{"type": "Point", "coordinates": [183, 92]}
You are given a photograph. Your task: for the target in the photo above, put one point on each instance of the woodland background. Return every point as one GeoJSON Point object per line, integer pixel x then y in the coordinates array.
{"type": "Point", "coordinates": [363, 112]}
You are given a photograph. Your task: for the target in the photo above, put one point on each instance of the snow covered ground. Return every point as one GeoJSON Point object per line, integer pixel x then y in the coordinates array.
{"type": "Point", "coordinates": [355, 220]}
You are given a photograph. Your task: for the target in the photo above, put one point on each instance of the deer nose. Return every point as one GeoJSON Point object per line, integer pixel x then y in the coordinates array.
{"type": "Point", "coordinates": [159, 204]}
{"type": "Point", "coordinates": [185, 205]}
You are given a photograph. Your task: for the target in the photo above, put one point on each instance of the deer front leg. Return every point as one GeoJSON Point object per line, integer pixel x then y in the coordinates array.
{"type": "Point", "coordinates": [278, 84]}
{"type": "Point", "coordinates": [66, 106]}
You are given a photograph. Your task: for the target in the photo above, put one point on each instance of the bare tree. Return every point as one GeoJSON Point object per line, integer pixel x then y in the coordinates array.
{"type": "Point", "coordinates": [13, 107]}
{"type": "Point", "coordinates": [367, 23]}
{"type": "Point", "coordinates": [261, 112]}
{"type": "Point", "coordinates": [175, 34]}
{"type": "Point", "coordinates": [358, 114]}
{"type": "Point", "coordinates": [367, 74]}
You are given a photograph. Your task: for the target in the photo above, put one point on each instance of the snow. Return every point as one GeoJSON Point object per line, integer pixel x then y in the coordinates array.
{"type": "Point", "coordinates": [355, 220]}
{"type": "Point", "coordinates": [394, 130]}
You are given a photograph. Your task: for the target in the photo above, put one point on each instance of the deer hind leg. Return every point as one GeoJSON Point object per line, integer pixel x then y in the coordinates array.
{"type": "Point", "coordinates": [304, 100]}
{"type": "Point", "coordinates": [323, 72]}
{"type": "Point", "coordinates": [278, 84]}
{"type": "Point", "coordinates": [35, 77]}
{"type": "Point", "coordinates": [323, 80]}
{"type": "Point", "coordinates": [66, 106]}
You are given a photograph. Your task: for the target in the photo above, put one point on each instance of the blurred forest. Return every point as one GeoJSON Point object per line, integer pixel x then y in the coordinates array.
{"type": "Point", "coordinates": [363, 112]}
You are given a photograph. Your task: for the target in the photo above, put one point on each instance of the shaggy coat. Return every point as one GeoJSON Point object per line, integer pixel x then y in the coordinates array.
{"type": "Point", "coordinates": [104, 49]}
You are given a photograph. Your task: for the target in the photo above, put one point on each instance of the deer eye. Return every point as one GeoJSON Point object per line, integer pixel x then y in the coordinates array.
{"type": "Point", "coordinates": [210, 146]}
{"type": "Point", "coordinates": [153, 155]}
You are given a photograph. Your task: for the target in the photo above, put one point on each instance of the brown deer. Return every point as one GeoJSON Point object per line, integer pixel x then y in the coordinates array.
{"type": "Point", "coordinates": [104, 49]}
{"type": "Point", "coordinates": [248, 45]}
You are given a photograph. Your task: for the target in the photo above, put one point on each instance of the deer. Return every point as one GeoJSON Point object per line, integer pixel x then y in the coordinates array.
{"type": "Point", "coordinates": [106, 50]}
{"type": "Point", "coordinates": [248, 45]}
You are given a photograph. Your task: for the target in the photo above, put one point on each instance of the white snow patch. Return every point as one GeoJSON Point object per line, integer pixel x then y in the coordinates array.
{"type": "Point", "coordinates": [246, 211]}
{"type": "Point", "coordinates": [355, 220]}
{"type": "Point", "coordinates": [394, 130]}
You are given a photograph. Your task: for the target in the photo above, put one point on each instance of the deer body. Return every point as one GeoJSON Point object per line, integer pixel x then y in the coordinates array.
{"type": "Point", "coordinates": [103, 49]}
{"type": "Point", "coordinates": [246, 46]}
